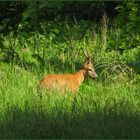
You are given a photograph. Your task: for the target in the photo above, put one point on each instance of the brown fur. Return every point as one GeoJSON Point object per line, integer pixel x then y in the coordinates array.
{"type": "Point", "coordinates": [69, 82]}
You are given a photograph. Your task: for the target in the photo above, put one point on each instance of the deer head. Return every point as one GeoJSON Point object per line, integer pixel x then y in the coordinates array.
{"type": "Point", "coordinates": [88, 66]}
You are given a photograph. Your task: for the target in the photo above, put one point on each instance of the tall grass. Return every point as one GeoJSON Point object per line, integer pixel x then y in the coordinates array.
{"type": "Point", "coordinates": [106, 108]}
{"type": "Point", "coordinates": [99, 110]}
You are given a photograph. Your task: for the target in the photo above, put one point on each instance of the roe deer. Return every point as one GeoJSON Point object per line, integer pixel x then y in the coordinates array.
{"type": "Point", "coordinates": [70, 82]}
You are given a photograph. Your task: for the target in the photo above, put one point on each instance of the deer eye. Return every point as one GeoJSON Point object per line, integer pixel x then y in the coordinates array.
{"type": "Point", "coordinates": [89, 69]}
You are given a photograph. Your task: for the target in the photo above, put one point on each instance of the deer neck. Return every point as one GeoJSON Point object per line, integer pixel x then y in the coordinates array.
{"type": "Point", "coordinates": [80, 76]}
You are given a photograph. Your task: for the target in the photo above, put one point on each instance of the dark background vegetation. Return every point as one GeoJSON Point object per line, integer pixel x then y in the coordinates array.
{"type": "Point", "coordinates": [13, 13]}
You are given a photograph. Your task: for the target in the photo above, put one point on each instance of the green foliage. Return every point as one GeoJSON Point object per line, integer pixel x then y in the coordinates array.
{"type": "Point", "coordinates": [128, 20]}
{"type": "Point", "coordinates": [128, 16]}
{"type": "Point", "coordinates": [36, 50]}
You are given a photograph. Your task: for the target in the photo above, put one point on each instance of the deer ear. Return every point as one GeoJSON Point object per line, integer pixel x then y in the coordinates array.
{"type": "Point", "coordinates": [88, 57]}
{"type": "Point", "coordinates": [88, 60]}
{"type": "Point", "coordinates": [86, 53]}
